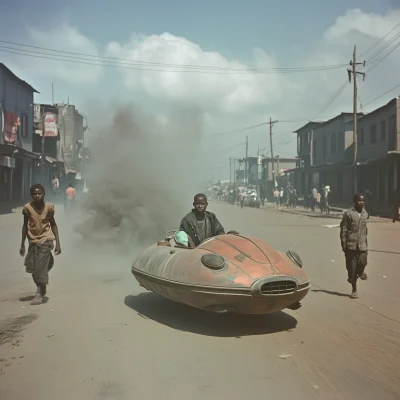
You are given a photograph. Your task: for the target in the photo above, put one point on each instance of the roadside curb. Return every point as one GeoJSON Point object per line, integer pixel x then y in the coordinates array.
{"type": "Point", "coordinates": [338, 215]}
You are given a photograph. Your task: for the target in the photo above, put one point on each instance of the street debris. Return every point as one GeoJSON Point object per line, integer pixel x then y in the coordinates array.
{"type": "Point", "coordinates": [285, 356]}
{"type": "Point", "coordinates": [51, 335]}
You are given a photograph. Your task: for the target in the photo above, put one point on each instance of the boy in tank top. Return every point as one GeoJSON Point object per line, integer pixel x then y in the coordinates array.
{"type": "Point", "coordinates": [41, 230]}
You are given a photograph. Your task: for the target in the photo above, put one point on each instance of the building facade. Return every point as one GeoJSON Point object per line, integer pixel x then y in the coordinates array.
{"type": "Point", "coordinates": [326, 154]}
{"type": "Point", "coordinates": [17, 161]}
{"type": "Point", "coordinates": [378, 153]}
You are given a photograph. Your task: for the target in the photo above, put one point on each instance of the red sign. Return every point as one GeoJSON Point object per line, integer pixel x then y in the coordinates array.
{"type": "Point", "coordinates": [50, 124]}
{"type": "Point", "coordinates": [11, 124]}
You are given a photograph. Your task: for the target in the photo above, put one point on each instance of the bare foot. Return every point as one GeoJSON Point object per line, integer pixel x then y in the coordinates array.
{"type": "Point", "coordinates": [364, 276]}
{"type": "Point", "coordinates": [354, 295]}
{"type": "Point", "coordinates": [38, 299]}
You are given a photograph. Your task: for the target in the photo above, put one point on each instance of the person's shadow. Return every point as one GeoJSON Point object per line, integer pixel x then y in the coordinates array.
{"type": "Point", "coordinates": [184, 318]}
{"type": "Point", "coordinates": [330, 292]}
{"type": "Point", "coordinates": [30, 298]}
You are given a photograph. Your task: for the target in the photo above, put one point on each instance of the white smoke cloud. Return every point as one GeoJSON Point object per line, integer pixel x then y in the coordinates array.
{"type": "Point", "coordinates": [144, 176]}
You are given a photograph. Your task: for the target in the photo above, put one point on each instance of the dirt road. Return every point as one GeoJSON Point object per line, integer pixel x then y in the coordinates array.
{"type": "Point", "coordinates": [101, 336]}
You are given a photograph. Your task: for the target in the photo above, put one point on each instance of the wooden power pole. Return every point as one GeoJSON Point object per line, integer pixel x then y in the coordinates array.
{"type": "Point", "coordinates": [230, 169]}
{"type": "Point", "coordinates": [245, 162]}
{"type": "Point", "coordinates": [271, 124]}
{"type": "Point", "coordinates": [353, 72]}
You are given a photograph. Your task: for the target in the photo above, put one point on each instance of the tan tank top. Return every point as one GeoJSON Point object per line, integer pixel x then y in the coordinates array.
{"type": "Point", "coordinates": [39, 228]}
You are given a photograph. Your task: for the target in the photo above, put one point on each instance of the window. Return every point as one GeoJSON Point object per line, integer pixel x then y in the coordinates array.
{"type": "Point", "coordinates": [333, 143]}
{"type": "Point", "coordinates": [383, 131]}
{"type": "Point", "coordinates": [24, 126]}
{"type": "Point", "coordinates": [392, 132]}
{"type": "Point", "coordinates": [361, 137]}
{"type": "Point", "coordinates": [372, 134]}
{"type": "Point", "coordinates": [314, 150]}
{"type": "Point", "coordinates": [340, 139]}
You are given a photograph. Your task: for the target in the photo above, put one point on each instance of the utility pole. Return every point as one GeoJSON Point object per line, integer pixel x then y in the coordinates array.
{"type": "Point", "coordinates": [42, 149]}
{"type": "Point", "coordinates": [230, 169]}
{"type": "Point", "coordinates": [258, 159]}
{"type": "Point", "coordinates": [245, 162]}
{"type": "Point", "coordinates": [354, 72]}
{"type": "Point", "coordinates": [271, 124]}
{"type": "Point", "coordinates": [234, 175]}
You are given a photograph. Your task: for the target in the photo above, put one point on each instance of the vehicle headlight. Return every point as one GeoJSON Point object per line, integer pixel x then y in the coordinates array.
{"type": "Point", "coordinates": [295, 258]}
{"type": "Point", "coordinates": [213, 261]}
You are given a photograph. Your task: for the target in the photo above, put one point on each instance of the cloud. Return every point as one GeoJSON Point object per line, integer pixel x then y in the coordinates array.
{"type": "Point", "coordinates": [227, 99]}
{"type": "Point", "coordinates": [66, 38]}
{"type": "Point", "coordinates": [222, 86]}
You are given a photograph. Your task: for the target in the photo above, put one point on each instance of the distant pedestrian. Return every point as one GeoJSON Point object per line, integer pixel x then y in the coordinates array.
{"type": "Point", "coordinates": [41, 230]}
{"type": "Point", "coordinates": [70, 198]}
{"type": "Point", "coordinates": [55, 184]}
{"type": "Point", "coordinates": [276, 197]}
{"type": "Point", "coordinates": [314, 194]}
{"type": "Point", "coordinates": [368, 200]}
{"type": "Point", "coordinates": [353, 237]}
{"type": "Point", "coordinates": [396, 205]}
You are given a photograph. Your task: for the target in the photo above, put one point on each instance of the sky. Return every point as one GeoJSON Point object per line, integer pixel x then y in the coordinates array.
{"type": "Point", "coordinates": [246, 57]}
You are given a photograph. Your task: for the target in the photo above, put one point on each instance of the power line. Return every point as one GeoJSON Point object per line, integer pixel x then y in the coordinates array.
{"type": "Point", "coordinates": [381, 95]}
{"type": "Point", "coordinates": [81, 58]}
{"type": "Point", "coordinates": [383, 57]}
{"type": "Point", "coordinates": [247, 128]}
{"type": "Point", "coordinates": [375, 56]}
{"type": "Point", "coordinates": [380, 40]}
{"type": "Point", "coordinates": [331, 99]}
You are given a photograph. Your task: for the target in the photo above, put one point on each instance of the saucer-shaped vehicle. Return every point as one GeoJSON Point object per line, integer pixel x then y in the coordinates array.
{"type": "Point", "coordinates": [227, 273]}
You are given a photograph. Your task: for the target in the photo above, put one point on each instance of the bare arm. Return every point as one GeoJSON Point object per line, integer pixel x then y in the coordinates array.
{"type": "Point", "coordinates": [219, 228]}
{"type": "Point", "coordinates": [343, 231]}
{"type": "Point", "coordinates": [54, 228]}
{"type": "Point", "coordinates": [24, 235]}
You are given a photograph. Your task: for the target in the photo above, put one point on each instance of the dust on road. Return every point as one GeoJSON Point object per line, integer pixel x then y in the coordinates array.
{"type": "Point", "coordinates": [101, 336]}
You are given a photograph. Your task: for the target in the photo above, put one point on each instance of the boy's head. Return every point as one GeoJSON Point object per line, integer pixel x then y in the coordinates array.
{"type": "Point", "coordinates": [70, 185]}
{"type": "Point", "coordinates": [200, 203]}
{"type": "Point", "coordinates": [359, 202]}
{"type": "Point", "coordinates": [37, 193]}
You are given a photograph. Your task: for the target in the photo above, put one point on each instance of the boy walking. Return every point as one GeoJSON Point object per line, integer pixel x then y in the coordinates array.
{"type": "Point", "coordinates": [353, 237]}
{"type": "Point", "coordinates": [41, 230]}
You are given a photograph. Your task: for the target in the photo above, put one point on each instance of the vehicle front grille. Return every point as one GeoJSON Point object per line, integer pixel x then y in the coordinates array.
{"type": "Point", "coordinates": [304, 285]}
{"type": "Point", "coordinates": [278, 287]}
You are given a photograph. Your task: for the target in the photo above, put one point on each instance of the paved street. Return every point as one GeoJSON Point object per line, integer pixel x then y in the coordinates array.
{"type": "Point", "coordinates": [101, 336]}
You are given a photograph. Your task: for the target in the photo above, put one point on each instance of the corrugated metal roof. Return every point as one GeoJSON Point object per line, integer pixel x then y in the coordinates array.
{"type": "Point", "coordinates": [15, 77]}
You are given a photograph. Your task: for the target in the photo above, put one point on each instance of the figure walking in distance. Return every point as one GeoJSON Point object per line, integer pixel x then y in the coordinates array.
{"type": "Point", "coordinates": [353, 237]}
{"type": "Point", "coordinates": [41, 230]}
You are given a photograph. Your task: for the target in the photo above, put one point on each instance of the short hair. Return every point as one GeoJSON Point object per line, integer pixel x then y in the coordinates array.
{"type": "Point", "coordinates": [200, 196]}
{"type": "Point", "coordinates": [36, 186]}
{"type": "Point", "coordinates": [70, 184]}
{"type": "Point", "coordinates": [357, 196]}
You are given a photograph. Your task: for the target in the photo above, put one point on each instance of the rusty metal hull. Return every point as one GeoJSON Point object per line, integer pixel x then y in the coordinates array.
{"type": "Point", "coordinates": [255, 279]}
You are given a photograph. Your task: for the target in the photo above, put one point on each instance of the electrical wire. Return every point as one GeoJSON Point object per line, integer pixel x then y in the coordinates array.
{"type": "Point", "coordinates": [381, 95]}
{"type": "Point", "coordinates": [380, 40]}
{"type": "Point", "coordinates": [88, 59]}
